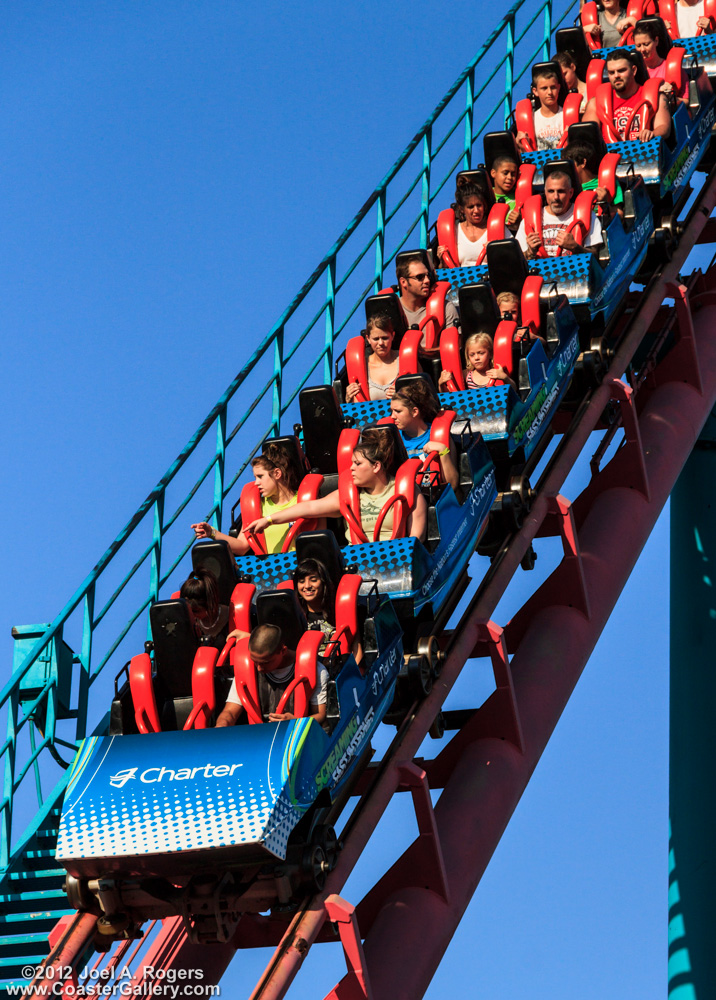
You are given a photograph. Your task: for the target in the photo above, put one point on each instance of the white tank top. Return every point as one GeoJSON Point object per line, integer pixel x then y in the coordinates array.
{"type": "Point", "coordinates": [467, 251]}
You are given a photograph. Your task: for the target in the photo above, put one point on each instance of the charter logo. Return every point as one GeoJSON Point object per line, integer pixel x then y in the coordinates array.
{"type": "Point", "coordinates": [120, 779]}
{"type": "Point", "coordinates": [156, 775]}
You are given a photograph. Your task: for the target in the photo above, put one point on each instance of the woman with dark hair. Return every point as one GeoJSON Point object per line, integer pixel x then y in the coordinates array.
{"type": "Point", "coordinates": [568, 61]}
{"type": "Point", "coordinates": [471, 211]}
{"type": "Point", "coordinates": [382, 360]}
{"type": "Point", "coordinates": [646, 42]}
{"type": "Point", "coordinates": [211, 619]}
{"type": "Point", "coordinates": [317, 596]}
{"type": "Point", "coordinates": [413, 409]}
{"type": "Point", "coordinates": [373, 472]}
{"type": "Point", "coordinates": [277, 477]}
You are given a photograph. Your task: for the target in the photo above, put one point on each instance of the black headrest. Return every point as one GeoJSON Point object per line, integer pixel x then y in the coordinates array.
{"type": "Point", "coordinates": [175, 643]}
{"type": "Point", "coordinates": [573, 42]}
{"type": "Point", "coordinates": [478, 309]}
{"type": "Point", "coordinates": [655, 25]}
{"type": "Point", "coordinates": [406, 256]}
{"type": "Point", "coordinates": [323, 546]}
{"type": "Point", "coordinates": [388, 304]}
{"type": "Point", "coordinates": [481, 179]}
{"type": "Point", "coordinates": [565, 166]}
{"type": "Point", "coordinates": [215, 555]}
{"type": "Point", "coordinates": [540, 68]}
{"type": "Point", "coordinates": [322, 423]}
{"type": "Point", "coordinates": [405, 380]}
{"type": "Point", "coordinates": [500, 144]}
{"type": "Point", "coordinates": [401, 454]}
{"type": "Point", "coordinates": [506, 266]}
{"type": "Point", "coordinates": [591, 133]}
{"type": "Point", "coordinates": [281, 607]}
{"type": "Point", "coordinates": [292, 446]}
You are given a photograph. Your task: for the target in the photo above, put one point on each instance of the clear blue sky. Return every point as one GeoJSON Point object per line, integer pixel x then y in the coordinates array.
{"type": "Point", "coordinates": [171, 173]}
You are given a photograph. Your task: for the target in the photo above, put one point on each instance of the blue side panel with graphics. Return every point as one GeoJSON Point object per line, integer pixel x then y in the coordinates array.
{"type": "Point", "coordinates": [152, 802]}
{"type": "Point", "coordinates": [181, 802]}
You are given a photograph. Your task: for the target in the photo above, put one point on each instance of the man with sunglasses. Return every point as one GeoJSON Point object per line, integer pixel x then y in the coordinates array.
{"type": "Point", "coordinates": [416, 284]}
{"type": "Point", "coordinates": [275, 666]}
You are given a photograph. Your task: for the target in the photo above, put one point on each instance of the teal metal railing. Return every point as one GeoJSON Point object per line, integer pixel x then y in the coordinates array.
{"type": "Point", "coordinates": [103, 614]}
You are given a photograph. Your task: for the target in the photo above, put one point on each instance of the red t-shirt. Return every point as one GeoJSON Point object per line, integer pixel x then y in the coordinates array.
{"type": "Point", "coordinates": [622, 113]}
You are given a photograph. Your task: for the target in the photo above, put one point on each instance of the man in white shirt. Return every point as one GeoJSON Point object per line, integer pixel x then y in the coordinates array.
{"type": "Point", "coordinates": [275, 664]}
{"type": "Point", "coordinates": [557, 220]}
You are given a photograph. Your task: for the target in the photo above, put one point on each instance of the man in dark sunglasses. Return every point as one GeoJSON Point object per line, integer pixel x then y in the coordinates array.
{"type": "Point", "coordinates": [416, 283]}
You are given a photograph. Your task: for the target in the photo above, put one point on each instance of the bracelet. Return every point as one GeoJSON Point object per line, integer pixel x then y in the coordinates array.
{"type": "Point", "coordinates": [212, 536]}
{"type": "Point", "coordinates": [268, 521]}
{"type": "Point", "coordinates": [444, 452]}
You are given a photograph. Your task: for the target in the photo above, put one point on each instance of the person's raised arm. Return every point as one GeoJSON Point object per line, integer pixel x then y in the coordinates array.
{"type": "Point", "coordinates": [324, 507]}
{"type": "Point", "coordinates": [238, 546]}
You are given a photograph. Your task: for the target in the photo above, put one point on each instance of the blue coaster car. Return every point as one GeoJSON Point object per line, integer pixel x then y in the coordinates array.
{"type": "Point", "coordinates": [169, 820]}
{"type": "Point", "coordinates": [665, 164]}
{"type": "Point", "coordinates": [594, 286]}
{"type": "Point", "coordinates": [419, 577]}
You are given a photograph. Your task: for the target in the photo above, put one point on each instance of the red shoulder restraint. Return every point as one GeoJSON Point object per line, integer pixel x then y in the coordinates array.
{"type": "Point", "coordinates": [250, 506]}
{"type": "Point", "coordinates": [447, 236]}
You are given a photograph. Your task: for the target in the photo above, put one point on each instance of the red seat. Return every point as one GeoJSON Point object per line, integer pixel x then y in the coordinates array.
{"type": "Point", "coordinates": [357, 367]}
{"type": "Point", "coordinates": [635, 8]}
{"type": "Point", "coordinates": [305, 676]}
{"type": "Point", "coordinates": [302, 686]}
{"type": "Point", "coordinates": [402, 502]}
{"type": "Point", "coordinates": [202, 688]}
{"type": "Point", "coordinates": [525, 181]}
{"type": "Point", "coordinates": [142, 688]}
{"type": "Point", "coordinates": [451, 359]}
{"type": "Point", "coordinates": [607, 175]}
{"type": "Point", "coordinates": [434, 320]}
{"type": "Point", "coordinates": [605, 108]}
{"type": "Point", "coordinates": [246, 682]}
{"type": "Point", "coordinates": [447, 237]}
{"type": "Point", "coordinates": [530, 304]}
{"type": "Point", "coordinates": [440, 433]}
{"type": "Point", "coordinates": [502, 352]}
{"type": "Point", "coordinates": [667, 12]}
{"type": "Point", "coordinates": [346, 630]}
{"type": "Point", "coordinates": [250, 503]}
{"type": "Point", "coordinates": [579, 227]}
{"type": "Point", "coordinates": [595, 76]}
{"type": "Point", "coordinates": [347, 442]}
{"type": "Point", "coordinates": [525, 122]}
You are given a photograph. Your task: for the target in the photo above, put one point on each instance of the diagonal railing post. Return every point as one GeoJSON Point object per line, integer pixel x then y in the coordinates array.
{"type": "Point", "coordinates": [85, 661]}
{"type": "Point", "coordinates": [379, 243]}
{"type": "Point", "coordinates": [219, 468]}
{"type": "Point", "coordinates": [547, 29]}
{"type": "Point", "coordinates": [509, 69]}
{"type": "Point", "coordinates": [9, 778]}
{"type": "Point", "coordinates": [277, 381]}
{"type": "Point", "coordinates": [469, 120]}
{"type": "Point", "coordinates": [330, 319]}
{"type": "Point", "coordinates": [425, 201]}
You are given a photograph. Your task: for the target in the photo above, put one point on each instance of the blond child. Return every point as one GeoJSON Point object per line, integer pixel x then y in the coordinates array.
{"type": "Point", "coordinates": [480, 369]}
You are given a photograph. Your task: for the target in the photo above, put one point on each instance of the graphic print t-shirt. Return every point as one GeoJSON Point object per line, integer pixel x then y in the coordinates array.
{"type": "Point", "coordinates": [622, 113]}
{"type": "Point", "coordinates": [548, 130]}
{"type": "Point", "coordinates": [553, 224]}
